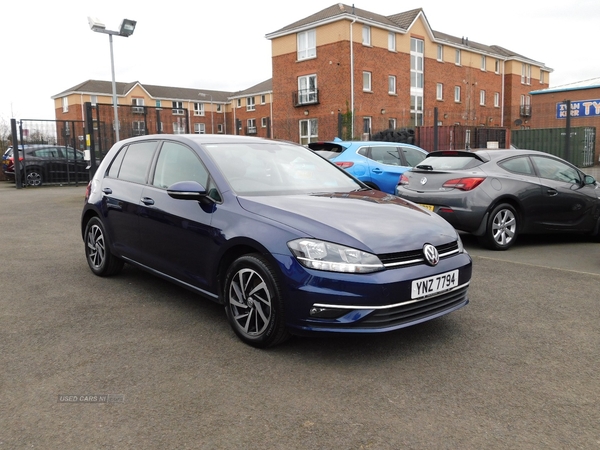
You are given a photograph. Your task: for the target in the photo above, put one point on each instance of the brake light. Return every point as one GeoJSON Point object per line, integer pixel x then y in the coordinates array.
{"type": "Point", "coordinates": [403, 180]}
{"type": "Point", "coordinates": [344, 164]}
{"type": "Point", "coordinates": [464, 184]}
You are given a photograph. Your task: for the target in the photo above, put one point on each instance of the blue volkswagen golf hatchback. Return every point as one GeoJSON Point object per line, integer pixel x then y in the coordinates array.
{"type": "Point", "coordinates": [287, 242]}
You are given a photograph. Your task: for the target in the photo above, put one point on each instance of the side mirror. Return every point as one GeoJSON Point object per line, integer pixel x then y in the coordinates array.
{"type": "Point", "coordinates": [188, 190]}
{"type": "Point", "coordinates": [589, 180]}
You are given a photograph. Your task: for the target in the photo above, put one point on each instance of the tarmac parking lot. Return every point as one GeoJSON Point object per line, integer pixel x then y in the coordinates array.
{"type": "Point", "coordinates": [135, 362]}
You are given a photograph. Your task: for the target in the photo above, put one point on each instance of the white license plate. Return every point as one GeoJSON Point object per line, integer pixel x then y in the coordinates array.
{"type": "Point", "coordinates": [428, 207]}
{"type": "Point", "coordinates": [432, 285]}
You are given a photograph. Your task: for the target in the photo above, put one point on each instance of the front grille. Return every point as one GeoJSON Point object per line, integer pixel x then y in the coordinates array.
{"type": "Point", "coordinates": [413, 257]}
{"type": "Point", "coordinates": [413, 312]}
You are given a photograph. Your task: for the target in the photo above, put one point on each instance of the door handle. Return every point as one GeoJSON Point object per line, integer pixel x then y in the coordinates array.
{"type": "Point", "coordinates": [552, 192]}
{"type": "Point", "coordinates": [107, 191]}
{"type": "Point", "coordinates": [147, 201]}
{"type": "Point", "coordinates": [377, 171]}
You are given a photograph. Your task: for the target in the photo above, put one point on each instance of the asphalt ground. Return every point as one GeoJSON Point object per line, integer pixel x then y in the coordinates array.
{"type": "Point", "coordinates": [517, 368]}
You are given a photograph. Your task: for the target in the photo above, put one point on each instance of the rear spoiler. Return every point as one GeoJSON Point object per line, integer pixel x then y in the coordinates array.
{"type": "Point", "coordinates": [463, 153]}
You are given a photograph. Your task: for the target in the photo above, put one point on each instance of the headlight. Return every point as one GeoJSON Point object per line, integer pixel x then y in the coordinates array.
{"type": "Point", "coordinates": [461, 247]}
{"type": "Point", "coordinates": [321, 255]}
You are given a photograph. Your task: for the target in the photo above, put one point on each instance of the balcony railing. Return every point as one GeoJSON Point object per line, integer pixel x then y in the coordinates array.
{"type": "Point", "coordinates": [525, 111]}
{"type": "Point", "coordinates": [306, 97]}
{"type": "Point", "coordinates": [250, 130]}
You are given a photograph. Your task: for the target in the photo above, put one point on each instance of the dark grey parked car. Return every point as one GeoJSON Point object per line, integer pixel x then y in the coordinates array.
{"type": "Point", "coordinates": [499, 194]}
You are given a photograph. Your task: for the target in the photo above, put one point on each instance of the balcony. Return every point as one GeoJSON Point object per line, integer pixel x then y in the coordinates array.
{"type": "Point", "coordinates": [178, 112]}
{"type": "Point", "coordinates": [137, 109]}
{"type": "Point", "coordinates": [525, 111]}
{"type": "Point", "coordinates": [306, 97]}
{"type": "Point", "coordinates": [250, 130]}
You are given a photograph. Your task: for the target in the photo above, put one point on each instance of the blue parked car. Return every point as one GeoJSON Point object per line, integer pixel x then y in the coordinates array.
{"type": "Point", "coordinates": [287, 242]}
{"type": "Point", "coordinates": [378, 164]}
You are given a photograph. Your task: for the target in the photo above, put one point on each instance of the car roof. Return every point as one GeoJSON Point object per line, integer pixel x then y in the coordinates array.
{"type": "Point", "coordinates": [205, 138]}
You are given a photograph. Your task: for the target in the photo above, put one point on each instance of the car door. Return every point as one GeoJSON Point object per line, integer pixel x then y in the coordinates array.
{"type": "Point", "coordinates": [567, 204]}
{"type": "Point", "coordinates": [176, 235]}
{"type": "Point", "coordinates": [122, 189]}
{"type": "Point", "coordinates": [385, 167]}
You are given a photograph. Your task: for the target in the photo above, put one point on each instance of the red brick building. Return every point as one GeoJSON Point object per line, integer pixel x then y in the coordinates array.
{"type": "Point", "coordinates": [391, 72]}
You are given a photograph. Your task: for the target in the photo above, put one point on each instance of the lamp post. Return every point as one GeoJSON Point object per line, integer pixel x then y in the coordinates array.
{"type": "Point", "coordinates": [212, 122]}
{"type": "Point", "coordinates": [125, 29]}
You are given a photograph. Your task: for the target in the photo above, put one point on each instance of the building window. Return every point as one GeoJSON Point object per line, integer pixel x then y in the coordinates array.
{"type": "Point", "coordinates": [199, 128]}
{"type": "Point", "coordinates": [497, 66]}
{"type": "Point", "coordinates": [367, 81]}
{"type": "Point", "coordinates": [139, 128]}
{"type": "Point", "coordinates": [65, 104]}
{"type": "Point", "coordinates": [307, 44]}
{"type": "Point", "coordinates": [178, 128]}
{"type": "Point", "coordinates": [526, 74]}
{"type": "Point", "coordinates": [416, 64]}
{"type": "Point", "coordinates": [263, 122]}
{"type": "Point", "coordinates": [178, 108]}
{"type": "Point", "coordinates": [496, 99]}
{"type": "Point", "coordinates": [239, 103]}
{"type": "Point", "coordinates": [198, 109]}
{"type": "Point", "coordinates": [263, 99]}
{"type": "Point", "coordinates": [94, 100]}
{"type": "Point", "coordinates": [391, 41]}
{"type": "Point", "coordinates": [457, 94]}
{"type": "Point", "coordinates": [392, 124]}
{"type": "Point", "coordinates": [391, 84]}
{"type": "Point", "coordinates": [219, 128]}
{"type": "Point", "coordinates": [439, 91]}
{"type": "Point", "coordinates": [416, 110]}
{"type": "Point", "coordinates": [482, 98]}
{"type": "Point", "coordinates": [250, 106]}
{"type": "Point", "coordinates": [157, 103]}
{"type": "Point", "coordinates": [457, 57]}
{"type": "Point", "coordinates": [542, 77]}
{"type": "Point", "coordinates": [219, 108]}
{"type": "Point", "coordinates": [367, 125]}
{"type": "Point", "coordinates": [366, 35]}
{"type": "Point", "coordinates": [309, 131]}
{"type": "Point", "coordinates": [307, 89]}
{"type": "Point", "coordinates": [440, 52]}
{"type": "Point", "coordinates": [251, 123]}
{"type": "Point", "coordinates": [483, 63]}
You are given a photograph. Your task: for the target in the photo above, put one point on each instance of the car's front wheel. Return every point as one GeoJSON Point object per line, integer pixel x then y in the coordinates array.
{"type": "Point", "coordinates": [97, 251]}
{"type": "Point", "coordinates": [254, 303]}
{"type": "Point", "coordinates": [502, 227]}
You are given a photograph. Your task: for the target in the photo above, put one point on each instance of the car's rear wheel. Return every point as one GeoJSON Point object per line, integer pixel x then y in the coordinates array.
{"type": "Point", "coordinates": [254, 303]}
{"type": "Point", "coordinates": [502, 227]}
{"type": "Point", "coordinates": [97, 251]}
{"type": "Point", "coordinates": [33, 177]}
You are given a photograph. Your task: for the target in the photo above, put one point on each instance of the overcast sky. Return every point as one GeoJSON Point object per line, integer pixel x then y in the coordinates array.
{"type": "Point", "coordinates": [221, 45]}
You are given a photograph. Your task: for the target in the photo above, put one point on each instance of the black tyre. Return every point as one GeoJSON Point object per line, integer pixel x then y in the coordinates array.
{"type": "Point", "coordinates": [502, 227]}
{"type": "Point", "coordinates": [33, 177]}
{"type": "Point", "coordinates": [253, 302]}
{"type": "Point", "coordinates": [97, 251]}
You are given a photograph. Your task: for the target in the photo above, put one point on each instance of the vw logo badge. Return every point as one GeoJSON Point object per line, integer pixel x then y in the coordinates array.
{"type": "Point", "coordinates": [431, 254]}
{"type": "Point", "coordinates": [423, 180]}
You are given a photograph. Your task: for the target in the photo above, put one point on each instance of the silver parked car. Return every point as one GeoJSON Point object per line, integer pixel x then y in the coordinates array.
{"type": "Point", "coordinates": [499, 194]}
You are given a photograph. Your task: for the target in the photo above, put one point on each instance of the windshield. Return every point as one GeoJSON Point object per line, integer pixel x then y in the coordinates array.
{"type": "Point", "coordinates": [277, 169]}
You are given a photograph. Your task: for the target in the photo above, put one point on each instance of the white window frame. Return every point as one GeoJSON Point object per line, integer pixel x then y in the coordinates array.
{"type": "Point", "coordinates": [199, 128]}
{"type": "Point", "coordinates": [482, 97]}
{"type": "Point", "coordinates": [392, 123]}
{"type": "Point", "coordinates": [94, 100]}
{"type": "Point", "coordinates": [367, 81]}
{"type": "Point", "coordinates": [457, 57]}
{"type": "Point", "coordinates": [177, 110]}
{"type": "Point", "coordinates": [138, 127]}
{"type": "Point", "coordinates": [65, 104]}
{"type": "Point", "coordinates": [199, 109]}
{"type": "Point", "coordinates": [392, 41]}
{"type": "Point", "coordinates": [496, 99]}
{"type": "Point", "coordinates": [497, 66]}
{"type": "Point", "coordinates": [392, 84]}
{"type": "Point", "coordinates": [542, 76]}
{"type": "Point", "coordinates": [251, 126]}
{"type": "Point", "coordinates": [219, 108]}
{"type": "Point", "coordinates": [263, 99]}
{"type": "Point", "coordinates": [158, 104]}
{"type": "Point", "coordinates": [307, 44]}
{"type": "Point", "coordinates": [239, 103]}
{"type": "Point", "coordinates": [526, 74]}
{"type": "Point", "coordinates": [457, 94]}
{"type": "Point", "coordinates": [178, 128]}
{"type": "Point", "coordinates": [366, 35]}
{"type": "Point", "coordinates": [312, 131]}
{"type": "Point", "coordinates": [307, 89]}
{"type": "Point", "coordinates": [219, 128]}
{"type": "Point", "coordinates": [439, 91]}
{"type": "Point", "coordinates": [367, 125]}
{"type": "Point", "coordinates": [483, 63]}
{"type": "Point", "coordinates": [440, 52]}
{"type": "Point", "coordinates": [250, 104]}
{"type": "Point", "coordinates": [263, 122]}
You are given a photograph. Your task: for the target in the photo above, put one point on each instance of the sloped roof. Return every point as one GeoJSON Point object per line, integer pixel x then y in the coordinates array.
{"type": "Point", "coordinates": [401, 21]}
{"type": "Point", "coordinates": [260, 88]}
{"type": "Point", "coordinates": [592, 83]}
{"type": "Point", "coordinates": [100, 87]}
